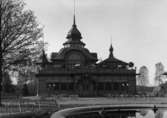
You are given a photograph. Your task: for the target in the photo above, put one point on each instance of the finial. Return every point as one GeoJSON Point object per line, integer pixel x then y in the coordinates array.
{"type": "Point", "coordinates": [111, 50]}
{"type": "Point", "coordinates": [111, 47]}
{"type": "Point", "coordinates": [74, 21]}
{"type": "Point", "coordinates": [74, 24]}
{"type": "Point", "coordinates": [43, 48]}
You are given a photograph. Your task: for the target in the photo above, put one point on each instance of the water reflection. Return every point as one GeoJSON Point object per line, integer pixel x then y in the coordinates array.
{"type": "Point", "coordinates": [159, 114]}
{"type": "Point", "coordinates": [143, 112]}
{"type": "Point", "coordinates": [123, 114]}
{"type": "Point", "coordinates": [150, 114]}
{"type": "Point", "coordinates": [119, 114]}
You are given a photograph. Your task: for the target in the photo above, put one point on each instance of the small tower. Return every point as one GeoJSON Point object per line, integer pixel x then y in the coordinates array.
{"type": "Point", "coordinates": [43, 57]}
{"type": "Point", "coordinates": [44, 60]}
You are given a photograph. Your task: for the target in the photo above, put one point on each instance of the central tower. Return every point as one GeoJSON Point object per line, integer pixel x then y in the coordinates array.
{"type": "Point", "coordinates": [74, 37]}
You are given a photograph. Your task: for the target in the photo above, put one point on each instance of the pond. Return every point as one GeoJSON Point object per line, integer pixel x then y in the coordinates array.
{"type": "Point", "coordinates": [123, 114]}
{"type": "Point", "coordinates": [112, 112]}
{"type": "Point", "coordinates": [150, 114]}
{"type": "Point", "coordinates": [136, 114]}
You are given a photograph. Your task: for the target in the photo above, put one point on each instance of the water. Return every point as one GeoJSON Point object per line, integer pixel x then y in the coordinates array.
{"type": "Point", "coordinates": [136, 114]}
{"type": "Point", "coordinates": [122, 114]}
{"type": "Point", "coordinates": [151, 114]}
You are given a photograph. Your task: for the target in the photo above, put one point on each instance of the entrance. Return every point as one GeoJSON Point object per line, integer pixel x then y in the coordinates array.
{"type": "Point", "coordinates": [85, 86]}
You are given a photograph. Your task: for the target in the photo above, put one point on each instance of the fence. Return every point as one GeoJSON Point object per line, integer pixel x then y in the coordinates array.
{"type": "Point", "coordinates": [14, 105]}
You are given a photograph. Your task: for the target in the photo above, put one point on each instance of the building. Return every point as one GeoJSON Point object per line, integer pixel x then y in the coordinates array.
{"type": "Point", "coordinates": [74, 70]}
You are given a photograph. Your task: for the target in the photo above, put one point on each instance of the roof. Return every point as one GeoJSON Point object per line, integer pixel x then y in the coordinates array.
{"type": "Point", "coordinates": [74, 32]}
{"type": "Point", "coordinates": [61, 54]}
{"type": "Point", "coordinates": [74, 42]}
{"type": "Point", "coordinates": [113, 60]}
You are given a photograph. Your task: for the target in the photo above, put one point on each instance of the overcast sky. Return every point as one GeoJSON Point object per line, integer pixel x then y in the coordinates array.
{"type": "Point", "coordinates": [138, 27]}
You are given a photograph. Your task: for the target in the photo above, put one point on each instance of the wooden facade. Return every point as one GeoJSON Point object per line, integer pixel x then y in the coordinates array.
{"type": "Point", "coordinates": [75, 70]}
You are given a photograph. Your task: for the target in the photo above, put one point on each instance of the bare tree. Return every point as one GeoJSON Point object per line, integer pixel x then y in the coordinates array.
{"type": "Point", "coordinates": [143, 78]}
{"type": "Point", "coordinates": [20, 36]}
{"type": "Point", "coordinates": [159, 77]}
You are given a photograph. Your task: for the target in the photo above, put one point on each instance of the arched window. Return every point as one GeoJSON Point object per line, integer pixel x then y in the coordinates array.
{"type": "Point", "coordinates": [74, 59]}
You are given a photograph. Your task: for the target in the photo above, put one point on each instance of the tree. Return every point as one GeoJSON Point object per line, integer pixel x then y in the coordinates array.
{"type": "Point", "coordinates": [20, 36]}
{"type": "Point", "coordinates": [143, 78]}
{"type": "Point", "coordinates": [159, 77]}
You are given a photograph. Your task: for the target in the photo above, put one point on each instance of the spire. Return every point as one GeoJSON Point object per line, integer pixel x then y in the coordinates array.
{"type": "Point", "coordinates": [74, 33]}
{"type": "Point", "coordinates": [74, 24]}
{"type": "Point", "coordinates": [74, 36]}
{"type": "Point", "coordinates": [111, 51]}
{"type": "Point", "coordinates": [74, 15]}
{"type": "Point", "coordinates": [44, 59]}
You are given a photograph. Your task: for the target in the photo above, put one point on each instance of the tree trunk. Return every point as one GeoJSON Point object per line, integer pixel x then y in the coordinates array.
{"type": "Point", "coordinates": [0, 53]}
{"type": "Point", "coordinates": [0, 76]}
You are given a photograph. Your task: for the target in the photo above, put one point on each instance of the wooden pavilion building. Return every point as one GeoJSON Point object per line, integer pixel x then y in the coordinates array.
{"type": "Point", "coordinates": [74, 70]}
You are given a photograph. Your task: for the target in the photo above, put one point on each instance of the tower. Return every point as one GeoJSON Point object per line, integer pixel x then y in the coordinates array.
{"type": "Point", "coordinates": [43, 56]}
{"type": "Point", "coordinates": [74, 36]}
{"type": "Point", "coordinates": [44, 59]}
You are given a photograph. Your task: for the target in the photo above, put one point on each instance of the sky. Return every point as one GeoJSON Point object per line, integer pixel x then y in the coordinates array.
{"type": "Point", "coordinates": [136, 28]}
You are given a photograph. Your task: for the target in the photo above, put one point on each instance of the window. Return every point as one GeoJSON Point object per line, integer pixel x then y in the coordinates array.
{"type": "Point", "coordinates": [100, 86]}
{"type": "Point", "coordinates": [64, 86]}
{"type": "Point", "coordinates": [116, 86]}
{"type": "Point", "coordinates": [56, 87]}
{"type": "Point", "coordinates": [74, 59]}
{"type": "Point", "coordinates": [108, 86]}
{"type": "Point", "coordinates": [71, 86]}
